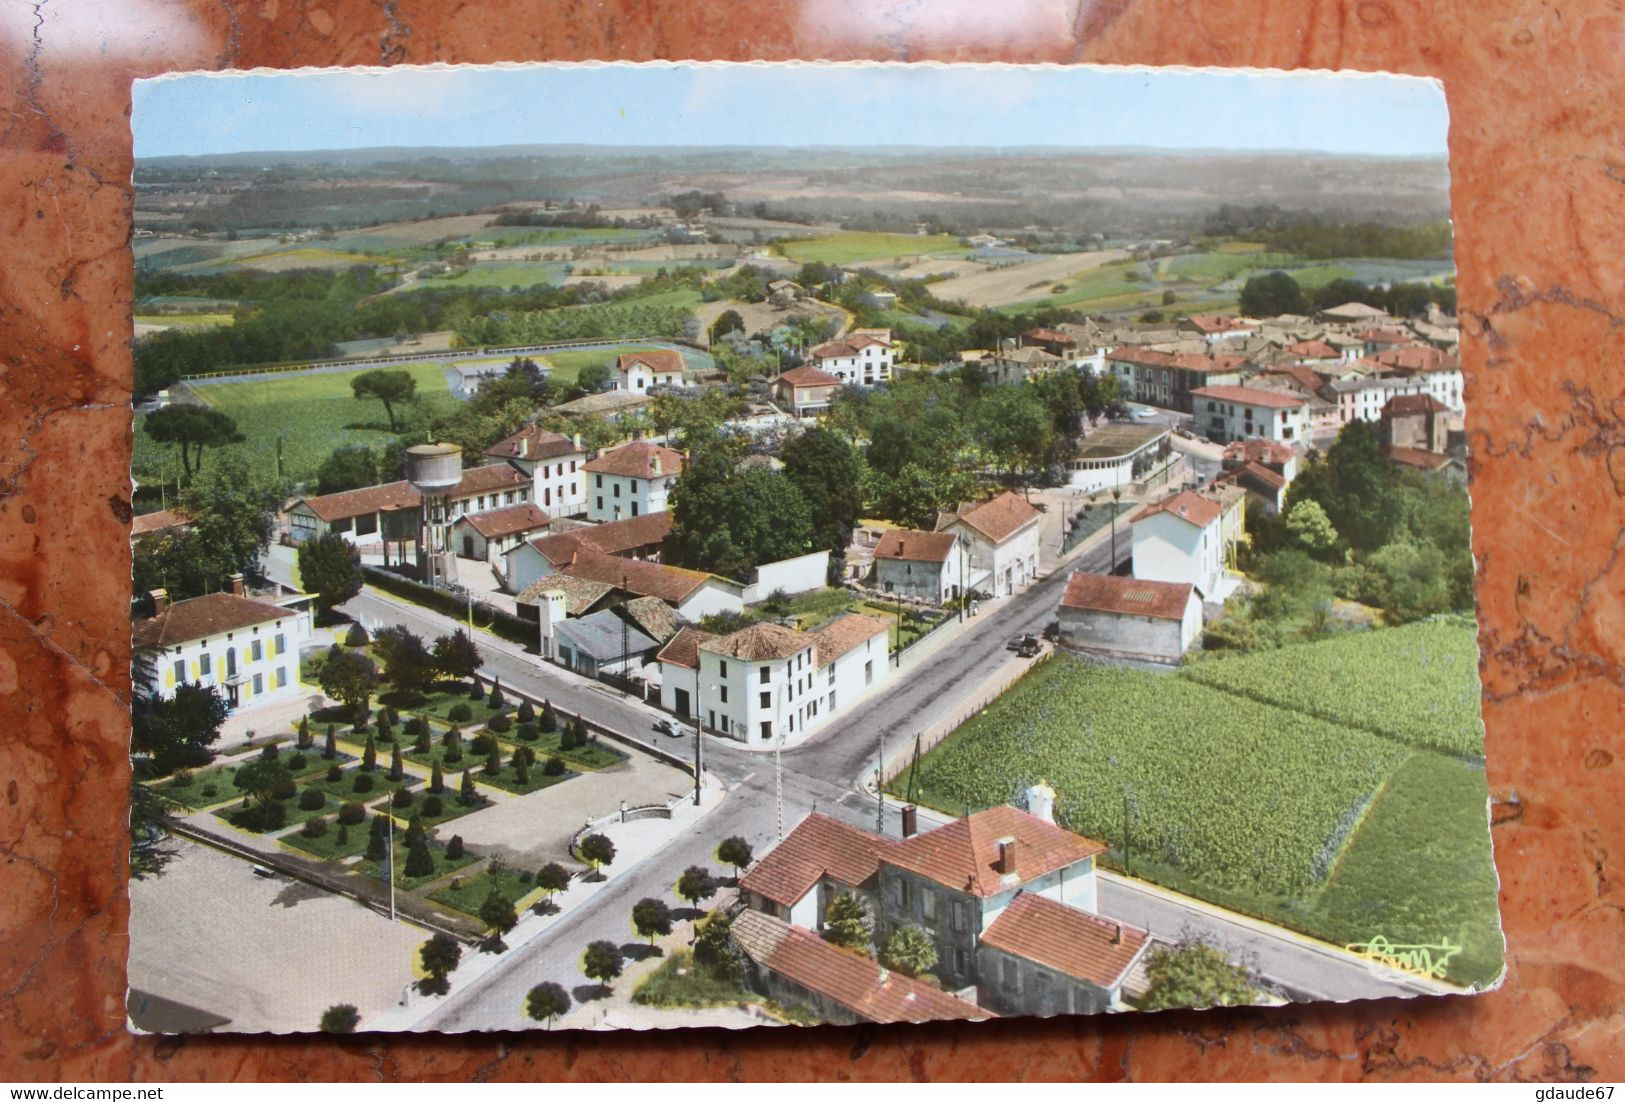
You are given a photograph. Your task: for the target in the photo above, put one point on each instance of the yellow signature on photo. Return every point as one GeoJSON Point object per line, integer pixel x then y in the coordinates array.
{"type": "Point", "coordinates": [1429, 961]}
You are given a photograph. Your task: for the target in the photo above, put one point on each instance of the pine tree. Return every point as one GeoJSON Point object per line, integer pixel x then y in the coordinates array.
{"type": "Point", "coordinates": [419, 861]}
{"type": "Point", "coordinates": [466, 794]}
{"type": "Point", "coordinates": [305, 740]}
{"type": "Point", "coordinates": [396, 769]}
{"type": "Point", "coordinates": [495, 700]}
{"type": "Point", "coordinates": [378, 842]}
{"type": "Point", "coordinates": [416, 833]}
{"type": "Point", "coordinates": [369, 757]}
{"type": "Point", "coordinates": [423, 745]}
{"type": "Point", "coordinates": [493, 760]}
{"type": "Point", "coordinates": [550, 721]}
{"type": "Point", "coordinates": [330, 749]}
{"type": "Point", "coordinates": [437, 780]}
{"type": "Point", "coordinates": [521, 769]}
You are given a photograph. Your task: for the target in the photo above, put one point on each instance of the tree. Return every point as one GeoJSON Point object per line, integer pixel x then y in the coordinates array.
{"type": "Point", "coordinates": [1013, 430]}
{"type": "Point", "coordinates": [597, 851]}
{"type": "Point", "coordinates": [651, 918]}
{"type": "Point", "coordinates": [341, 1018]}
{"type": "Point", "coordinates": [727, 322]}
{"type": "Point", "coordinates": [419, 861]}
{"type": "Point", "coordinates": [177, 730]}
{"type": "Point", "coordinates": [397, 768]}
{"type": "Point", "coordinates": [388, 387]}
{"type": "Point", "coordinates": [369, 756]}
{"type": "Point", "coordinates": [734, 851]}
{"type": "Point", "coordinates": [602, 962]}
{"type": "Point", "coordinates": [1265, 296]}
{"type": "Point", "coordinates": [1309, 525]}
{"type": "Point", "coordinates": [910, 951]}
{"type": "Point", "coordinates": [330, 567]}
{"type": "Point", "coordinates": [191, 429]}
{"type": "Point", "coordinates": [330, 746]}
{"type": "Point", "coordinates": [546, 1002]}
{"type": "Point", "coordinates": [456, 656]}
{"type": "Point", "coordinates": [304, 741]}
{"type": "Point", "coordinates": [696, 884]}
{"type": "Point", "coordinates": [347, 468]}
{"type": "Point", "coordinates": [467, 794]}
{"type": "Point", "coordinates": [232, 521]}
{"type": "Point", "coordinates": [730, 522]}
{"type": "Point", "coordinates": [552, 878]}
{"type": "Point", "coordinates": [497, 912]}
{"type": "Point", "coordinates": [350, 678]}
{"type": "Point", "coordinates": [495, 701]}
{"type": "Point", "coordinates": [594, 378]}
{"type": "Point", "coordinates": [1195, 974]}
{"type": "Point", "coordinates": [521, 767]}
{"type": "Point", "coordinates": [714, 949]}
{"type": "Point", "coordinates": [1413, 581]}
{"type": "Point", "coordinates": [378, 839]}
{"type": "Point", "coordinates": [549, 721]}
{"type": "Point", "coordinates": [407, 663]}
{"type": "Point", "coordinates": [493, 759]}
{"type": "Point", "coordinates": [847, 924]}
{"type": "Point", "coordinates": [439, 957]}
{"type": "Point", "coordinates": [828, 471]}
{"type": "Point", "coordinates": [437, 779]}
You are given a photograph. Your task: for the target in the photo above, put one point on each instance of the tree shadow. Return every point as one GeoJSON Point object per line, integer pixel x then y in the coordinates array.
{"type": "Point", "coordinates": [590, 992]}
{"type": "Point", "coordinates": [544, 907]}
{"type": "Point", "coordinates": [641, 950]}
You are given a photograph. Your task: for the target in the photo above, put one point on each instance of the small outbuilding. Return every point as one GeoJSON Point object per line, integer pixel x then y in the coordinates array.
{"type": "Point", "coordinates": [1130, 617]}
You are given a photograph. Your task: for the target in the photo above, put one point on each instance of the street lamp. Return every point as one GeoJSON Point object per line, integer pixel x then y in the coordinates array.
{"type": "Point", "coordinates": [1117, 494]}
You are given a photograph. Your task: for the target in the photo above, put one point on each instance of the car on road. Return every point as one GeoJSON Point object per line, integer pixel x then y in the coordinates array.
{"type": "Point", "coordinates": [667, 727]}
{"type": "Point", "coordinates": [1029, 647]}
{"type": "Point", "coordinates": [1016, 640]}
{"type": "Point", "coordinates": [1144, 414]}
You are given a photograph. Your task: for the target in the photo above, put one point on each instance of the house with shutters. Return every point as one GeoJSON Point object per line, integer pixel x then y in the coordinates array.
{"type": "Point", "coordinates": [928, 566]}
{"type": "Point", "coordinates": [1169, 379]}
{"type": "Point", "coordinates": [247, 648]}
{"type": "Point", "coordinates": [1225, 413]}
{"type": "Point", "coordinates": [631, 480]}
{"type": "Point", "coordinates": [553, 461]}
{"type": "Point", "coordinates": [1008, 898]}
{"type": "Point", "coordinates": [1182, 539]}
{"type": "Point", "coordinates": [639, 372]}
{"type": "Point", "coordinates": [806, 390]}
{"type": "Point", "coordinates": [1001, 536]}
{"type": "Point", "coordinates": [863, 357]}
{"type": "Point", "coordinates": [1418, 421]}
{"type": "Point", "coordinates": [767, 685]}
{"type": "Point", "coordinates": [1129, 618]}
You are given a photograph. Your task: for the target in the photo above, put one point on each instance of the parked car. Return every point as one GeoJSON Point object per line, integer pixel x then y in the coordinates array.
{"type": "Point", "coordinates": [667, 727]}
{"type": "Point", "coordinates": [1016, 640]}
{"type": "Point", "coordinates": [1029, 647]}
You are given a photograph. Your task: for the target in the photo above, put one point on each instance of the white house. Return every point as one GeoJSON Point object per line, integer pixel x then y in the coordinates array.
{"type": "Point", "coordinates": [247, 648]}
{"type": "Point", "coordinates": [637, 372]}
{"type": "Point", "coordinates": [926, 565]}
{"type": "Point", "coordinates": [693, 594]}
{"type": "Point", "coordinates": [765, 682]}
{"type": "Point", "coordinates": [1130, 617]}
{"type": "Point", "coordinates": [631, 480]}
{"type": "Point", "coordinates": [861, 358]}
{"type": "Point", "coordinates": [1180, 539]}
{"type": "Point", "coordinates": [1225, 413]}
{"type": "Point", "coordinates": [554, 462]}
{"type": "Point", "coordinates": [1002, 535]}
{"type": "Point", "coordinates": [491, 535]}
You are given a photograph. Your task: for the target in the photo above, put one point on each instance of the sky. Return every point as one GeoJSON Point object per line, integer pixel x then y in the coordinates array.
{"type": "Point", "coordinates": [788, 105]}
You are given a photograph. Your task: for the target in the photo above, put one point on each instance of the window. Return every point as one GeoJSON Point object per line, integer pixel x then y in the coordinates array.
{"type": "Point", "coordinates": [599, 481]}
{"type": "Point", "coordinates": [767, 729]}
{"type": "Point", "coordinates": [766, 700]}
{"type": "Point", "coordinates": [766, 675]}
{"type": "Point", "coordinates": [256, 652]}
{"type": "Point", "coordinates": [203, 663]}
{"type": "Point", "coordinates": [634, 508]}
{"type": "Point", "coordinates": [600, 501]}
{"type": "Point", "coordinates": [832, 673]}
{"type": "Point", "coordinates": [724, 697]}
{"type": "Point", "coordinates": [869, 672]}
{"type": "Point", "coordinates": [282, 677]}
{"type": "Point", "coordinates": [617, 489]}
{"type": "Point", "coordinates": [929, 898]}
{"type": "Point", "coordinates": [832, 700]}
{"type": "Point", "coordinates": [281, 643]}
{"type": "Point", "coordinates": [259, 684]}
{"type": "Point", "coordinates": [959, 960]}
{"type": "Point", "coordinates": [180, 671]}
{"type": "Point", "coordinates": [1012, 978]}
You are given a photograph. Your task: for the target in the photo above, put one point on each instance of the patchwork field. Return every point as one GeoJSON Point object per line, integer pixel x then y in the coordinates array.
{"type": "Point", "coordinates": [1263, 807]}
{"type": "Point", "coordinates": [1021, 282]}
{"type": "Point", "coordinates": [853, 248]}
{"type": "Point", "coordinates": [502, 276]}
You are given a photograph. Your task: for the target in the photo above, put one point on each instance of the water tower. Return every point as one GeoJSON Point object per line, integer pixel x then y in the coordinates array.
{"type": "Point", "coordinates": [434, 470]}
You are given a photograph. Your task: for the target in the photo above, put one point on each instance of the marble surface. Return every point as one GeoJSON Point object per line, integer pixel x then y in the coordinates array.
{"type": "Point", "coordinates": [1539, 199]}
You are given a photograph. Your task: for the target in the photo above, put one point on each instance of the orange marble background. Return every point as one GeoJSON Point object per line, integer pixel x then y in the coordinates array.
{"type": "Point", "coordinates": [1538, 162]}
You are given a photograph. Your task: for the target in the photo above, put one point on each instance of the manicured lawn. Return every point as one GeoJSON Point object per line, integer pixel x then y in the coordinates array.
{"type": "Point", "coordinates": [850, 248]}
{"type": "Point", "coordinates": [438, 705]}
{"type": "Point", "coordinates": [450, 808]}
{"type": "Point", "coordinates": [592, 756]}
{"type": "Point", "coordinates": [518, 276]}
{"type": "Point", "coordinates": [474, 890]}
{"type": "Point", "coordinates": [437, 756]}
{"type": "Point", "coordinates": [443, 866]}
{"type": "Point", "coordinates": [344, 788]}
{"type": "Point", "coordinates": [312, 414]}
{"type": "Point", "coordinates": [222, 779]}
{"type": "Point", "coordinates": [508, 780]}
{"type": "Point", "coordinates": [678, 982]}
{"type": "Point", "coordinates": [238, 816]}
{"type": "Point", "coordinates": [328, 847]}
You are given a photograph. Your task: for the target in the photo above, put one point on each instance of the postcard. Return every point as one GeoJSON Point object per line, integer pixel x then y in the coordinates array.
{"type": "Point", "coordinates": [645, 546]}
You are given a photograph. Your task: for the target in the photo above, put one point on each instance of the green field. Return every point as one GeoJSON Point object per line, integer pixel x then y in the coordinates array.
{"type": "Point", "coordinates": [501, 276]}
{"type": "Point", "coordinates": [311, 413]}
{"type": "Point", "coordinates": [1212, 267]}
{"type": "Point", "coordinates": [852, 248]}
{"type": "Point", "coordinates": [468, 895]}
{"type": "Point", "coordinates": [186, 321]}
{"type": "Point", "coordinates": [1322, 826]}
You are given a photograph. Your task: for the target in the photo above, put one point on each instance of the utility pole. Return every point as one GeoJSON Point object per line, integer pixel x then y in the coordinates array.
{"type": "Point", "coordinates": [880, 785]}
{"type": "Point", "coordinates": [391, 858]}
{"type": "Point", "coordinates": [778, 762]}
{"type": "Point", "coordinates": [699, 738]}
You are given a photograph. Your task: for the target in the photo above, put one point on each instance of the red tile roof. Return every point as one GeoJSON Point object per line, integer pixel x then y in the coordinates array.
{"type": "Point", "coordinates": [1250, 396]}
{"type": "Point", "coordinates": [636, 460]}
{"type": "Point", "coordinates": [496, 523]}
{"type": "Point", "coordinates": [662, 361]}
{"type": "Point", "coordinates": [1313, 350]}
{"type": "Point", "coordinates": [160, 520]}
{"type": "Point", "coordinates": [1127, 596]}
{"type": "Point", "coordinates": [1306, 377]}
{"type": "Point", "coordinates": [844, 977]}
{"type": "Point", "coordinates": [1403, 404]}
{"type": "Point", "coordinates": [200, 617]}
{"type": "Point", "coordinates": [1385, 336]}
{"type": "Point", "coordinates": [1214, 323]}
{"type": "Point", "coordinates": [851, 345]}
{"type": "Point", "coordinates": [912, 546]}
{"type": "Point", "coordinates": [355, 503]}
{"type": "Point", "coordinates": [764, 642]}
{"type": "Point", "coordinates": [1067, 940]}
{"type": "Point", "coordinates": [612, 537]}
{"type": "Point", "coordinates": [1000, 518]}
{"type": "Point", "coordinates": [818, 846]}
{"type": "Point", "coordinates": [1187, 361]}
{"type": "Point", "coordinates": [846, 632]}
{"type": "Point", "coordinates": [1273, 479]}
{"type": "Point", "coordinates": [964, 855]}
{"type": "Point", "coordinates": [1416, 358]}
{"type": "Point", "coordinates": [1415, 457]}
{"type": "Point", "coordinates": [683, 649]}
{"type": "Point", "coordinates": [1049, 336]}
{"type": "Point", "coordinates": [533, 442]}
{"type": "Point", "coordinates": [492, 476]}
{"type": "Point", "coordinates": [1187, 505]}
{"type": "Point", "coordinates": [672, 584]}
{"type": "Point", "coordinates": [1259, 450]}
{"type": "Point", "coordinates": [806, 376]}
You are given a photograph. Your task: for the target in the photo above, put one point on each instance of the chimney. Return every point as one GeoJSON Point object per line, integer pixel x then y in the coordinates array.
{"type": "Point", "coordinates": [237, 586]}
{"type": "Point", "coordinates": [654, 464]}
{"type": "Point", "coordinates": [524, 447]}
{"type": "Point", "coordinates": [910, 820]}
{"type": "Point", "coordinates": [1041, 802]}
{"type": "Point", "coordinates": [1007, 856]}
{"type": "Point", "coordinates": [1117, 933]}
{"type": "Point", "coordinates": [160, 601]}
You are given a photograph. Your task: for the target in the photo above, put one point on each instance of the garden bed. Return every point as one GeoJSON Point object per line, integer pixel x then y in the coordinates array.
{"type": "Point", "coordinates": [443, 866]}
{"type": "Point", "coordinates": [467, 896]}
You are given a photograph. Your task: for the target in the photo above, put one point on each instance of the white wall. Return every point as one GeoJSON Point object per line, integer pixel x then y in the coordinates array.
{"type": "Point", "coordinates": [647, 494]}
{"type": "Point", "coordinates": [525, 565]}
{"type": "Point", "coordinates": [711, 598]}
{"type": "Point", "coordinates": [274, 664]}
{"type": "Point", "coordinates": [801, 574]}
{"type": "Point", "coordinates": [1168, 549]}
